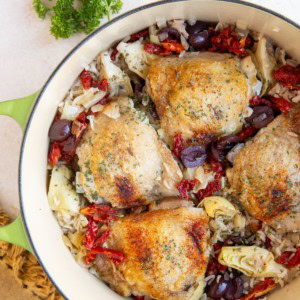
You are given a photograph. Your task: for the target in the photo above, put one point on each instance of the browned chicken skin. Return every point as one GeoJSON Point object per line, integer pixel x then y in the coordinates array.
{"type": "Point", "coordinates": [202, 95]}
{"type": "Point", "coordinates": [123, 161]}
{"type": "Point", "coordinates": [166, 254]}
{"type": "Point", "coordinates": [265, 176]}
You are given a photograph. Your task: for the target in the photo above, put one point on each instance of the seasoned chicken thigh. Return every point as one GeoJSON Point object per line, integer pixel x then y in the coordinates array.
{"type": "Point", "coordinates": [206, 94]}
{"type": "Point", "coordinates": [166, 254]}
{"type": "Point", "coordinates": [265, 176]}
{"type": "Point", "coordinates": [122, 160]}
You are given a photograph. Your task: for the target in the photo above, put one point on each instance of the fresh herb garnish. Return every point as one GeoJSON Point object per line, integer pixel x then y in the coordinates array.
{"type": "Point", "coordinates": [69, 17]}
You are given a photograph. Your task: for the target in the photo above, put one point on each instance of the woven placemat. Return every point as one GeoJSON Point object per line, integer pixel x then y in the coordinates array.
{"type": "Point", "coordinates": [25, 268]}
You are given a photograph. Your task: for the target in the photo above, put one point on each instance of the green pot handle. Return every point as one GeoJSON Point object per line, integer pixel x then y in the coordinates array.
{"type": "Point", "coordinates": [19, 110]}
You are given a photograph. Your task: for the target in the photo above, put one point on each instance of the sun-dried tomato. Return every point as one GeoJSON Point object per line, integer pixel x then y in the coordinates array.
{"type": "Point", "coordinates": [138, 297]}
{"type": "Point", "coordinates": [211, 188]}
{"type": "Point", "coordinates": [54, 154]}
{"type": "Point", "coordinates": [86, 79]}
{"type": "Point", "coordinates": [136, 36]}
{"type": "Point", "coordinates": [156, 49]}
{"type": "Point", "coordinates": [214, 267]}
{"type": "Point", "coordinates": [116, 256]}
{"type": "Point", "coordinates": [246, 133]}
{"type": "Point", "coordinates": [114, 54]}
{"type": "Point", "coordinates": [295, 260]}
{"type": "Point", "coordinates": [90, 234]}
{"type": "Point", "coordinates": [103, 85]}
{"type": "Point", "coordinates": [260, 289]}
{"type": "Point", "coordinates": [268, 243]}
{"type": "Point", "coordinates": [284, 258]}
{"type": "Point", "coordinates": [178, 144]}
{"type": "Point", "coordinates": [288, 75]}
{"type": "Point", "coordinates": [229, 41]}
{"type": "Point", "coordinates": [100, 213]}
{"type": "Point", "coordinates": [256, 100]}
{"type": "Point", "coordinates": [281, 104]}
{"type": "Point", "coordinates": [102, 238]}
{"type": "Point", "coordinates": [185, 186]}
{"type": "Point", "coordinates": [218, 168]}
{"type": "Point", "coordinates": [172, 46]}
{"type": "Point", "coordinates": [82, 117]}
{"type": "Point", "coordinates": [89, 258]}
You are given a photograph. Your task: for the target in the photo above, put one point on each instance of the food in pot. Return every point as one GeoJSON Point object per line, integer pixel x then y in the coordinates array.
{"type": "Point", "coordinates": [174, 163]}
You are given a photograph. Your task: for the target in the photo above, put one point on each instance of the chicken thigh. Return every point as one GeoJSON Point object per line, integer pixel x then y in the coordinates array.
{"type": "Point", "coordinates": [265, 176]}
{"type": "Point", "coordinates": [166, 254]}
{"type": "Point", "coordinates": [122, 160]}
{"type": "Point", "coordinates": [204, 94]}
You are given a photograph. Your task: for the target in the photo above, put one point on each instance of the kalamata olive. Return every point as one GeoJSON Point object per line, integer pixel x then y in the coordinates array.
{"type": "Point", "coordinates": [168, 32]}
{"type": "Point", "coordinates": [153, 112]}
{"type": "Point", "coordinates": [227, 142]}
{"type": "Point", "coordinates": [217, 289]}
{"type": "Point", "coordinates": [193, 156]}
{"type": "Point", "coordinates": [217, 154]}
{"type": "Point", "coordinates": [60, 130]}
{"type": "Point", "coordinates": [235, 289]}
{"type": "Point", "coordinates": [261, 116]}
{"type": "Point", "coordinates": [197, 27]}
{"type": "Point", "coordinates": [138, 90]}
{"type": "Point", "coordinates": [199, 40]}
{"type": "Point", "coordinates": [69, 146]}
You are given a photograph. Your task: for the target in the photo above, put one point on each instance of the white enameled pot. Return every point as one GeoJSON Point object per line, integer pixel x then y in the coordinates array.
{"type": "Point", "coordinates": [42, 230]}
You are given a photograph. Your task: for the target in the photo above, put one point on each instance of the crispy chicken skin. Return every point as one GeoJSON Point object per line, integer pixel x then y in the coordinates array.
{"type": "Point", "coordinates": [199, 95]}
{"type": "Point", "coordinates": [265, 177]}
{"type": "Point", "coordinates": [166, 254]}
{"type": "Point", "coordinates": [123, 161]}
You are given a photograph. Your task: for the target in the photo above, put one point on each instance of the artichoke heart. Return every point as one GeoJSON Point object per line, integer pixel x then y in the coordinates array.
{"type": "Point", "coordinates": [253, 261]}
{"type": "Point", "coordinates": [215, 206]}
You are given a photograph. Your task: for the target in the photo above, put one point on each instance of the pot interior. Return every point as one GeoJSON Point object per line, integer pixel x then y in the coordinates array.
{"type": "Point", "coordinates": [45, 234]}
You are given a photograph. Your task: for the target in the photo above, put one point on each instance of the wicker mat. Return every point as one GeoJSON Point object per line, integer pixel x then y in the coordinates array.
{"type": "Point", "coordinates": [26, 268]}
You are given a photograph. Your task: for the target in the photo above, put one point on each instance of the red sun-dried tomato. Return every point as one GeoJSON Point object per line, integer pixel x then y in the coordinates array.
{"type": "Point", "coordinates": [185, 186]}
{"type": "Point", "coordinates": [100, 213]}
{"type": "Point", "coordinates": [211, 188]}
{"type": "Point", "coordinates": [260, 289]}
{"type": "Point", "coordinates": [284, 258]}
{"type": "Point", "coordinates": [116, 256]}
{"type": "Point", "coordinates": [246, 133]}
{"type": "Point", "coordinates": [178, 144]}
{"type": "Point", "coordinates": [172, 46]}
{"type": "Point", "coordinates": [281, 104]}
{"type": "Point", "coordinates": [256, 100]}
{"type": "Point", "coordinates": [268, 243]}
{"type": "Point", "coordinates": [102, 238]}
{"type": "Point", "coordinates": [288, 76]}
{"type": "Point", "coordinates": [138, 297]}
{"type": "Point", "coordinates": [136, 36]}
{"type": "Point", "coordinates": [54, 154]}
{"type": "Point", "coordinates": [86, 79]}
{"type": "Point", "coordinates": [218, 168]}
{"type": "Point", "coordinates": [295, 260]}
{"type": "Point", "coordinates": [103, 85]}
{"type": "Point", "coordinates": [156, 49]}
{"type": "Point", "coordinates": [114, 54]}
{"type": "Point", "coordinates": [82, 117]}
{"type": "Point", "coordinates": [229, 41]}
{"type": "Point", "coordinates": [90, 234]}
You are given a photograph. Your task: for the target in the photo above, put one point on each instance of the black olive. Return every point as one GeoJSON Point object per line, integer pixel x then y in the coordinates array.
{"type": "Point", "coordinates": [235, 289]}
{"type": "Point", "coordinates": [173, 33]}
{"type": "Point", "coordinates": [193, 156]}
{"type": "Point", "coordinates": [217, 154]}
{"type": "Point", "coordinates": [138, 90]}
{"type": "Point", "coordinates": [153, 112]}
{"type": "Point", "coordinates": [197, 27]}
{"type": "Point", "coordinates": [261, 116]}
{"type": "Point", "coordinates": [199, 40]}
{"type": "Point", "coordinates": [227, 142]}
{"type": "Point", "coordinates": [217, 290]}
{"type": "Point", "coordinates": [69, 146]}
{"type": "Point", "coordinates": [60, 130]}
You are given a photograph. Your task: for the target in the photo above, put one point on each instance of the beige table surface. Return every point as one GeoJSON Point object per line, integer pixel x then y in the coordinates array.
{"type": "Point", "coordinates": [28, 54]}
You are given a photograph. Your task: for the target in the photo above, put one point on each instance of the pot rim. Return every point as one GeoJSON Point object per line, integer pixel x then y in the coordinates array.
{"type": "Point", "coordinates": [81, 43]}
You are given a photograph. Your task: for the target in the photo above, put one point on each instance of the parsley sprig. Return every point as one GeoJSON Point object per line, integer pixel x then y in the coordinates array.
{"type": "Point", "coordinates": [69, 17]}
